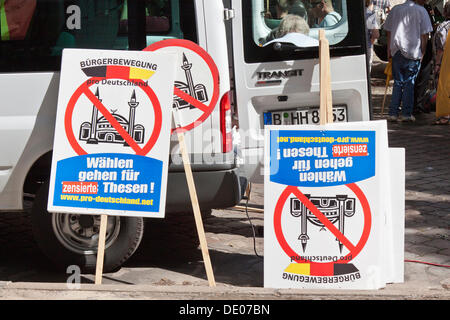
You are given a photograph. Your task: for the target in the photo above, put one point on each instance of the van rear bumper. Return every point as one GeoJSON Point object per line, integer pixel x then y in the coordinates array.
{"type": "Point", "coordinates": [215, 190]}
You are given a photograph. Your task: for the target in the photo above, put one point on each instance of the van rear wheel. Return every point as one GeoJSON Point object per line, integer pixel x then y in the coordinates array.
{"type": "Point", "coordinates": [72, 239]}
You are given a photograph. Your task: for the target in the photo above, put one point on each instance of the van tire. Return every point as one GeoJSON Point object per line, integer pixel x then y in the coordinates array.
{"type": "Point", "coordinates": [60, 246]}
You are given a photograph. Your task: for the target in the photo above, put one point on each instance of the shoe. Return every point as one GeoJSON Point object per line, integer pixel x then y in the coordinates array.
{"type": "Point", "coordinates": [392, 118]}
{"type": "Point", "coordinates": [410, 118]}
{"type": "Point", "coordinates": [442, 120]}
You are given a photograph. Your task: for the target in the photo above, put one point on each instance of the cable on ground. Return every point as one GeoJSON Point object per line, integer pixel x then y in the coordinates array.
{"type": "Point", "coordinates": [429, 263]}
{"type": "Point", "coordinates": [247, 197]}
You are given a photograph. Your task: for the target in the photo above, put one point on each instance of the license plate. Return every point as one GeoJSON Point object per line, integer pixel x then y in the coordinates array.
{"type": "Point", "coordinates": [303, 116]}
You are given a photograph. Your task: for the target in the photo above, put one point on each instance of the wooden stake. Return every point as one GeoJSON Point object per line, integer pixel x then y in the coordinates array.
{"type": "Point", "coordinates": [248, 189]}
{"type": "Point", "coordinates": [249, 209]}
{"type": "Point", "coordinates": [384, 98]}
{"type": "Point", "coordinates": [194, 200]}
{"type": "Point", "coordinates": [196, 207]}
{"type": "Point", "coordinates": [326, 103]}
{"type": "Point", "coordinates": [101, 249]}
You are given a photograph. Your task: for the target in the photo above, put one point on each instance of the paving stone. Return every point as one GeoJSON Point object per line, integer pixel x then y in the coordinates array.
{"type": "Point", "coordinates": [438, 243]}
{"type": "Point", "coordinates": [421, 250]}
{"type": "Point", "coordinates": [445, 252]}
{"type": "Point", "coordinates": [446, 283]}
{"type": "Point", "coordinates": [416, 239]}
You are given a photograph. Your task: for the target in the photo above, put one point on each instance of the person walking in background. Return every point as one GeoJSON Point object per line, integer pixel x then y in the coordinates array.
{"type": "Point", "coordinates": [407, 27]}
{"type": "Point", "coordinates": [381, 8]}
{"type": "Point", "coordinates": [439, 40]}
{"type": "Point", "coordinates": [372, 32]}
{"type": "Point", "coordinates": [439, 45]}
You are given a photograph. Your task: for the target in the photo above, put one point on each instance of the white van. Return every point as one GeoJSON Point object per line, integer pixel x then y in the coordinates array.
{"type": "Point", "coordinates": [31, 45]}
{"type": "Point", "coordinates": [276, 81]}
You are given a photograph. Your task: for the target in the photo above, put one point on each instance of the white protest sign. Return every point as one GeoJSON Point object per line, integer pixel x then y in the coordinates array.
{"type": "Point", "coordinates": [112, 134]}
{"type": "Point", "coordinates": [325, 220]}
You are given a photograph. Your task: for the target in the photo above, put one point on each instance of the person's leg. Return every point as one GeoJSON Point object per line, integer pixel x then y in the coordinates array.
{"type": "Point", "coordinates": [397, 89]}
{"type": "Point", "coordinates": [410, 73]}
{"type": "Point", "coordinates": [370, 58]}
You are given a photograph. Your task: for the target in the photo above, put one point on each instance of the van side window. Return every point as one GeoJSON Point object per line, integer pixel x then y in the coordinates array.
{"type": "Point", "coordinates": [33, 33]}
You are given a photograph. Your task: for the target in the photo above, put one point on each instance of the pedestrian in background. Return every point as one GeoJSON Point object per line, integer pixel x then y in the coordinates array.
{"type": "Point", "coordinates": [408, 26]}
{"type": "Point", "coordinates": [439, 39]}
{"type": "Point", "coordinates": [381, 8]}
{"type": "Point", "coordinates": [439, 44]}
{"type": "Point", "coordinates": [372, 32]}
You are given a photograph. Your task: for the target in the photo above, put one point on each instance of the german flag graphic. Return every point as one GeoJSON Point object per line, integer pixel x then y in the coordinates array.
{"type": "Point", "coordinates": [321, 269]}
{"type": "Point", "coordinates": [118, 72]}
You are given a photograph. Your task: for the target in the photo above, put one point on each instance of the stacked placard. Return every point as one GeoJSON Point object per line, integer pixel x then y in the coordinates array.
{"type": "Point", "coordinates": [333, 215]}
{"type": "Point", "coordinates": [334, 201]}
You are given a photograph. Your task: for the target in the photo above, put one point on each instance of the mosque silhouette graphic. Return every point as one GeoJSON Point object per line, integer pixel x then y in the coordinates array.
{"type": "Point", "coordinates": [99, 130]}
{"type": "Point", "coordinates": [335, 209]}
{"type": "Point", "coordinates": [197, 91]}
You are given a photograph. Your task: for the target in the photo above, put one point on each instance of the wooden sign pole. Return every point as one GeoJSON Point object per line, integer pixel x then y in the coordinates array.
{"type": "Point", "coordinates": [195, 205]}
{"type": "Point", "coordinates": [101, 249]}
{"type": "Point", "coordinates": [326, 103]}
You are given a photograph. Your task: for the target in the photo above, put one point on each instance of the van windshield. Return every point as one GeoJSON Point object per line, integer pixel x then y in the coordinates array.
{"type": "Point", "coordinates": [295, 24]}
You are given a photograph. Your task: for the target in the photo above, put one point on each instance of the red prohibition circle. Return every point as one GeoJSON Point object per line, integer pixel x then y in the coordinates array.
{"type": "Point", "coordinates": [294, 256]}
{"type": "Point", "coordinates": [84, 87]}
{"type": "Point", "coordinates": [214, 73]}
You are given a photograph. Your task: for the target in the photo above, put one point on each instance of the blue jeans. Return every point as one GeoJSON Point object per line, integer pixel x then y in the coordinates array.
{"type": "Point", "coordinates": [404, 72]}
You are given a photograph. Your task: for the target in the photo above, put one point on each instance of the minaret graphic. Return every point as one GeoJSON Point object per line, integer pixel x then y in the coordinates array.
{"type": "Point", "coordinates": [196, 91]}
{"type": "Point", "coordinates": [187, 70]}
{"type": "Point", "coordinates": [133, 104]}
{"type": "Point", "coordinates": [93, 136]}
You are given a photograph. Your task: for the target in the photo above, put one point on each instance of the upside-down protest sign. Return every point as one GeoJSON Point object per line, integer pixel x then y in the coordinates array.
{"type": "Point", "coordinates": [327, 203]}
{"type": "Point", "coordinates": [112, 134]}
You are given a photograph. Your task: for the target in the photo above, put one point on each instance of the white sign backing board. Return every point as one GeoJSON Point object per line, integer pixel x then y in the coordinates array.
{"type": "Point", "coordinates": [328, 215]}
{"type": "Point", "coordinates": [112, 134]}
{"type": "Point", "coordinates": [397, 214]}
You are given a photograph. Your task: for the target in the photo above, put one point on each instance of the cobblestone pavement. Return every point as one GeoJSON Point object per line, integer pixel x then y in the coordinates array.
{"type": "Point", "coordinates": [237, 256]}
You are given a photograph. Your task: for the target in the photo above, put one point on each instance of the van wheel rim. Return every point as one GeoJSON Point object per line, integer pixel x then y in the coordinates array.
{"type": "Point", "coordinates": [79, 232]}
